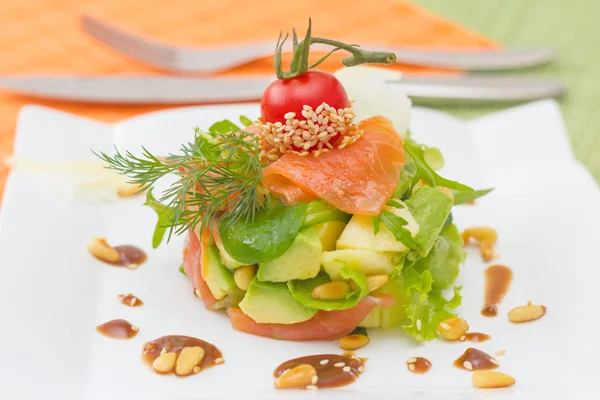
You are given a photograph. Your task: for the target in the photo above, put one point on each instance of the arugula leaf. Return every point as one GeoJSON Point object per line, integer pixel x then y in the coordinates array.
{"type": "Point", "coordinates": [245, 120]}
{"type": "Point", "coordinates": [461, 197]}
{"type": "Point", "coordinates": [406, 178]}
{"type": "Point", "coordinates": [319, 211]}
{"type": "Point", "coordinates": [182, 270]}
{"type": "Point", "coordinates": [395, 203]}
{"type": "Point", "coordinates": [425, 172]}
{"type": "Point", "coordinates": [396, 225]}
{"type": "Point", "coordinates": [265, 238]}
{"type": "Point", "coordinates": [376, 224]}
{"type": "Point", "coordinates": [302, 289]}
{"type": "Point", "coordinates": [165, 217]}
{"type": "Point", "coordinates": [425, 308]}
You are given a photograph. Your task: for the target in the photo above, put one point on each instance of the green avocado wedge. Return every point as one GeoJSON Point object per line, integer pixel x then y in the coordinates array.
{"type": "Point", "coordinates": [272, 303]}
{"type": "Point", "coordinates": [218, 278]}
{"type": "Point", "coordinates": [301, 261]}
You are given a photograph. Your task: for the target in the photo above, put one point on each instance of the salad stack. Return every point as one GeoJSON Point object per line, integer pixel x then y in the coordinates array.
{"type": "Point", "coordinates": [321, 216]}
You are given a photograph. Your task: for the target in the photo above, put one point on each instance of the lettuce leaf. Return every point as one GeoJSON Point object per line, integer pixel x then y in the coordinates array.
{"type": "Point", "coordinates": [444, 258]}
{"type": "Point", "coordinates": [301, 290]}
{"type": "Point", "coordinates": [430, 207]}
{"type": "Point", "coordinates": [425, 308]}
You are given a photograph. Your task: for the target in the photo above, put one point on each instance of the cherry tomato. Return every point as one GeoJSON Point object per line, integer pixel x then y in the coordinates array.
{"type": "Point", "coordinates": [311, 88]}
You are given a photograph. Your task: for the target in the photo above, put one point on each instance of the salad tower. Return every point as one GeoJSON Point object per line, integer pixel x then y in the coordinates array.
{"type": "Point", "coordinates": [321, 216]}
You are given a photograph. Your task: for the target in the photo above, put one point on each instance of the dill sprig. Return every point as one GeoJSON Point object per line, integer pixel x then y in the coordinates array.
{"type": "Point", "coordinates": [218, 173]}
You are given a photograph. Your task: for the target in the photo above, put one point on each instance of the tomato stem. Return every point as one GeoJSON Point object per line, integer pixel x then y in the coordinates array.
{"type": "Point", "coordinates": [299, 64]}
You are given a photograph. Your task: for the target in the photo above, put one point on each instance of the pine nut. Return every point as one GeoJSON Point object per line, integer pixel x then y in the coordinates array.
{"type": "Point", "coordinates": [527, 313]}
{"type": "Point", "coordinates": [129, 190]}
{"type": "Point", "coordinates": [353, 342]}
{"type": "Point", "coordinates": [376, 281]}
{"type": "Point", "coordinates": [480, 233]}
{"type": "Point", "coordinates": [189, 358]}
{"type": "Point", "coordinates": [453, 328]}
{"type": "Point", "coordinates": [487, 238]}
{"type": "Point", "coordinates": [299, 376]}
{"type": "Point", "coordinates": [164, 363]}
{"type": "Point", "coordinates": [244, 275]}
{"type": "Point", "coordinates": [487, 250]}
{"type": "Point", "coordinates": [492, 379]}
{"type": "Point", "coordinates": [103, 251]}
{"type": "Point", "coordinates": [335, 290]}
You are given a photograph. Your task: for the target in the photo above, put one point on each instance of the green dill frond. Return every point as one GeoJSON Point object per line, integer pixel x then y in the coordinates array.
{"type": "Point", "coordinates": [217, 174]}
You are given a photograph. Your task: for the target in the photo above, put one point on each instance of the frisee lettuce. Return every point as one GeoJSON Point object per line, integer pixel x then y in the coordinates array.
{"type": "Point", "coordinates": [302, 289]}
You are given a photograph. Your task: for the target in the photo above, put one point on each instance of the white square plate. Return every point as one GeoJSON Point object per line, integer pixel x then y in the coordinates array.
{"type": "Point", "coordinates": [546, 208]}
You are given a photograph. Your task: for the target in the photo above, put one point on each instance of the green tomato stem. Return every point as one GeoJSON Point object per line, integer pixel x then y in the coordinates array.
{"type": "Point", "coordinates": [299, 64]}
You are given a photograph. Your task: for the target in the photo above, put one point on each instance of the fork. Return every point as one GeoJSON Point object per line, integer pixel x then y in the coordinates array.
{"type": "Point", "coordinates": [207, 60]}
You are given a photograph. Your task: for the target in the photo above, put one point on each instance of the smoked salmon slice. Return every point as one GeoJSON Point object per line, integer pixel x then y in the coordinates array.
{"type": "Point", "coordinates": [358, 179]}
{"type": "Point", "coordinates": [325, 325]}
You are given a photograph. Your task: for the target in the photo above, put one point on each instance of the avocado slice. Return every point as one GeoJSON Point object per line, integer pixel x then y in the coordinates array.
{"type": "Point", "coordinates": [272, 303]}
{"type": "Point", "coordinates": [330, 232]}
{"type": "Point", "coordinates": [360, 234]}
{"type": "Point", "coordinates": [367, 261]}
{"type": "Point", "coordinates": [218, 278]}
{"type": "Point", "coordinates": [301, 261]}
{"type": "Point", "coordinates": [228, 261]}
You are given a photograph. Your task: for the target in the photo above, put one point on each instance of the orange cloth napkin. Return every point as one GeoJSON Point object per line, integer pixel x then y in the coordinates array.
{"type": "Point", "coordinates": [44, 36]}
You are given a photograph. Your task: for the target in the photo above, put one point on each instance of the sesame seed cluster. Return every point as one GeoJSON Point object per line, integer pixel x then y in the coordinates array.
{"type": "Point", "coordinates": [311, 135]}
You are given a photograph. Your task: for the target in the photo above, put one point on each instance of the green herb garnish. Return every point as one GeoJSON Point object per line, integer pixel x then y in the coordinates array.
{"type": "Point", "coordinates": [396, 225]}
{"type": "Point", "coordinates": [462, 197]}
{"type": "Point", "coordinates": [218, 172]}
{"type": "Point", "coordinates": [425, 172]}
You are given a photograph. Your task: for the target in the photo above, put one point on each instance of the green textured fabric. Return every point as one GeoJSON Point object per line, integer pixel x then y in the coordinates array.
{"type": "Point", "coordinates": [570, 26]}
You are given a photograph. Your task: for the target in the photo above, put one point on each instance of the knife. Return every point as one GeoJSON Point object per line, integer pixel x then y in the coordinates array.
{"type": "Point", "coordinates": [122, 89]}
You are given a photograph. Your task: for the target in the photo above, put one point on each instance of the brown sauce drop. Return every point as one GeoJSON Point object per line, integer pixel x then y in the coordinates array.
{"type": "Point", "coordinates": [497, 282]}
{"type": "Point", "coordinates": [131, 256]}
{"type": "Point", "coordinates": [418, 365]}
{"type": "Point", "coordinates": [118, 329]}
{"type": "Point", "coordinates": [329, 375]}
{"type": "Point", "coordinates": [176, 343]}
{"type": "Point", "coordinates": [474, 360]}
{"type": "Point", "coordinates": [130, 300]}
{"type": "Point", "coordinates": [477, 337]}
